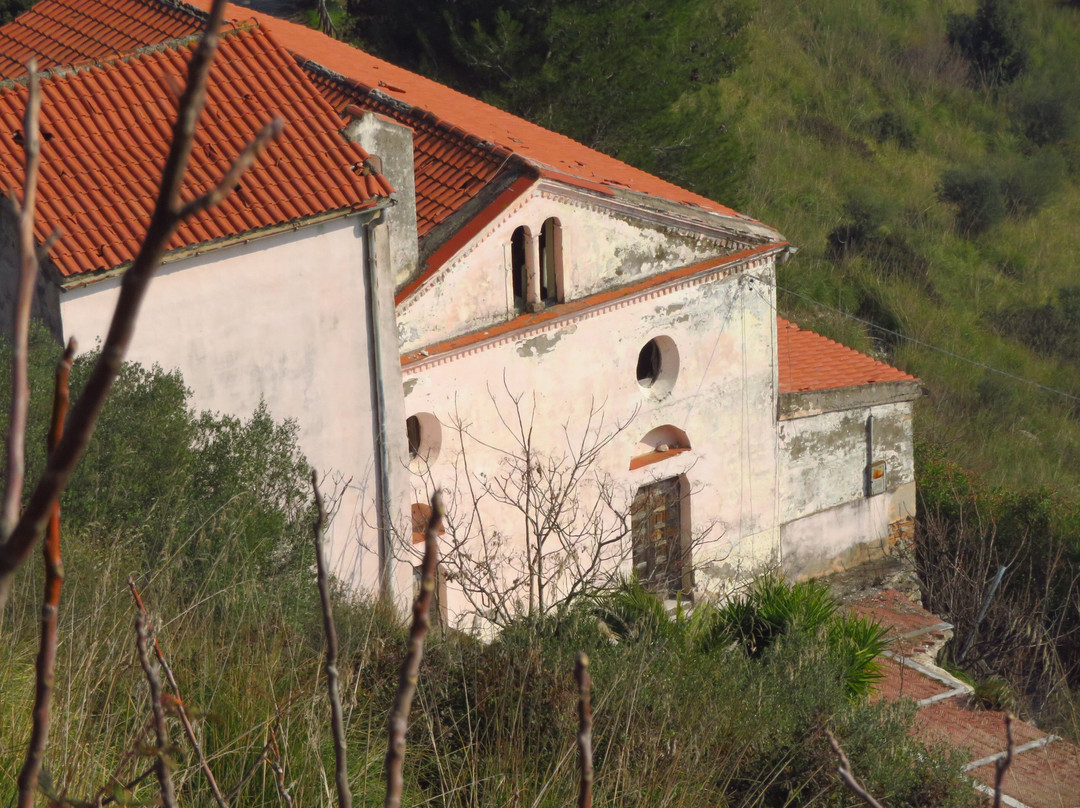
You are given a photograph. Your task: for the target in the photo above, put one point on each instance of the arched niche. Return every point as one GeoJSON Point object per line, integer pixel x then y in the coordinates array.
{"type": "Point", "coordinates": [659, 444]}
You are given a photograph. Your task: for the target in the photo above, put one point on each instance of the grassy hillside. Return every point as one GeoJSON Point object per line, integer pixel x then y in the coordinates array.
{"type": "Point", "coordinates": [855, 113]}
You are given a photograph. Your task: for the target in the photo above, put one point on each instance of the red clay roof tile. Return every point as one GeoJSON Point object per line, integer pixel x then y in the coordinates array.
{"type": "Point", "coordinates": [459, 133]}
{"type": "Point", "coordinates": [809, 361]}
{"type": "Point", "coordinates": [99, 189]}
{"type": "Point", "coordinates": [63, 32]}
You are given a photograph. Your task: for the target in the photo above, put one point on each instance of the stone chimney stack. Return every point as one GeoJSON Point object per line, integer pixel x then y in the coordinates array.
{"type": "Point", "coordinates": [390, 145]}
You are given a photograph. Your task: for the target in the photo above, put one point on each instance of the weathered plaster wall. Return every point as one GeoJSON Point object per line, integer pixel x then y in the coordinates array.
{"type": "Point", "coordinates": [828, 521]}
{"type": "Point", "coordinates": [723, 399]}
{"type": "Point", "coordinates": [600, 250]}
{"type": "Point", "coordinates": [281, 318]}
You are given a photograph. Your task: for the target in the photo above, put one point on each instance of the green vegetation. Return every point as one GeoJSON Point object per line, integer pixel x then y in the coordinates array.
{"type": "Point", "coordinates": [1020, 641]}
{"type": "Point", "coordinates": [675, 723]}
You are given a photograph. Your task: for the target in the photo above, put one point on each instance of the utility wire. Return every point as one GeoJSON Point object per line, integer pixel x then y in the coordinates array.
{"type": "Point", "coordinates": [928, 346]}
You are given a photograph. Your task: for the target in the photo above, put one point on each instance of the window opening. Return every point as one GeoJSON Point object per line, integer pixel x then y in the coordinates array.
{"type": "Point", "coordinates": [412, 429]}
{"type": "Point", "coordinates": [550, 260]}
{"type": "Point", "coordinates": [648, 364]}
{"type": "Point", "coordinates": [519, 245]}
{"type": "Point", "coordinates": [661, 553]}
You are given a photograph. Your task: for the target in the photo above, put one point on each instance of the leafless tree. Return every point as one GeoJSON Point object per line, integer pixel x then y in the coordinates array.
{"type": "Point", "coordinates": [566, 523]}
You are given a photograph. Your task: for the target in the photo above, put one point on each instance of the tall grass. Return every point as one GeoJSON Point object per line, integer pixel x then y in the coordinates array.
{"type": "Point", "coordinates": [493, 724]}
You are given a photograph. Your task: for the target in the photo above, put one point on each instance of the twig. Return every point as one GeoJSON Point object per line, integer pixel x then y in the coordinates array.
{"type": "Point", "coordinates": [24, 298]}
{"type": "Point", "coordinates": [410, 666]}
{"type": "Point", "coordinates": [1001, 765]}
{"type": "Point", "coordinates": [279, 772]}
{"type": "Point", "coordinates": [130, 784]}
{"type": "Point", "coordinates": [584, 738]}
{"type": "Point", "coordinates": [185, 722]}
{"type": "Point", "coordinates": [161, 732]}
{"type": "Point", "coordinates": [50, 606]}
{"type": "Point", "coordinates": [847, 775]}
{"type": "Point", "coordinates": [166, 217]}
{"type": "Point", "coordinates": [337, 716]}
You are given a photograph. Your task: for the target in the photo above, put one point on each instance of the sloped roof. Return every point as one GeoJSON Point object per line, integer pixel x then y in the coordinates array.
{"type": "Point", "coordinates": [379, 85]}
{"type": "Point", "coordinates": [106, 130]}
{"type": "Point", "coordinates": [450, 166]}
{"type": "Point", "coordinates": [63, 32]}
{"type": "Point", "coordinates": [808, 362]}
{"type": "Point", "coordinates": [555, 155]}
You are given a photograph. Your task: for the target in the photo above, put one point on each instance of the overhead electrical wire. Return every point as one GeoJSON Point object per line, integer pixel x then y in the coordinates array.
{"type": "Point", "coordinates": [927, 345]}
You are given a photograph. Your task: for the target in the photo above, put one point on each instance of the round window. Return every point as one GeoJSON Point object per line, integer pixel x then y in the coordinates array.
{"type": "Point", "coordinates": [424, 435]}
{"type": "Point", "coordinates": [658, 366]}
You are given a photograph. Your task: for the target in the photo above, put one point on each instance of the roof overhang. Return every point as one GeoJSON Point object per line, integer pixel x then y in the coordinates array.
{"type": "Point", "coordinates": [808, 403]}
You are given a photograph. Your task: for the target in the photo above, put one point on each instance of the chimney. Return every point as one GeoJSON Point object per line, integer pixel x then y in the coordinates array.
{"type": "Point", "coordinates": [390, 145]}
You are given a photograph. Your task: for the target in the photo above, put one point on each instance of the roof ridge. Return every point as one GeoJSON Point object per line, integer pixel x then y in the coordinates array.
{"type": "Point", "coordinates": [104, 63]}
{"type": "Point", "coordinates": [412, 110]}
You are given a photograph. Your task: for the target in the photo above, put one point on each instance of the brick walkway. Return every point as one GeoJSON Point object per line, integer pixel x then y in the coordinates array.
{"type": "Point", "coordinates": [1045, 771]}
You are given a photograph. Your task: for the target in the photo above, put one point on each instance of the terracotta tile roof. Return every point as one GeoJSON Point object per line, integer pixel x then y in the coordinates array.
{"type": "Point", "coordinates": [450, 166]}
{"type": "Point", "coordinates": [461, 144]}
{"type": "Point", "coordinates": [553, 154]}
{"type": "Point", "coordinates": [63, 32]}
{"type": "Point", "coordinates": [809, 361]}
{"type": "Point", "coordinates": [106, 132]}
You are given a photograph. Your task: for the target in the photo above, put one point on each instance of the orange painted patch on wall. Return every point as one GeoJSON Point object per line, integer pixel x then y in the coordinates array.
{"type": "Point", "coordinates": [654, 457]}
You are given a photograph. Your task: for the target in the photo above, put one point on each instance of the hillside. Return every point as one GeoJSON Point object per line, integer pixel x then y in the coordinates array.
{"type": "Point", "coordinates": [855, 114]}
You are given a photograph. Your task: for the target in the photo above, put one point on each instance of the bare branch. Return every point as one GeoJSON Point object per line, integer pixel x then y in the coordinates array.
{"type": "Point", "coordinates": [1001, 765]}
{"type": "Point", "coordinates": [584, 738]}
{"type": "Point", "coordinates": [185, 722]}
{"type": "Point", "coordinates": [164, 220]}
{"type": "Point", "coordinates": [846, 774]}
{"type": "Point", "coordinates": [279, 772]}
{"type": "Point", "coordinates": [232, 177]}
{"type": "Point", "coordinates": [24, 298]}
{"type": "Point", "coordinates": [50, 606]}
{"type": "Point", "coordinates": [410, 666]}
{"type": "Point", "coordinates": [337, 715]}
{"type": "Point", "coordinates": [161, 731]}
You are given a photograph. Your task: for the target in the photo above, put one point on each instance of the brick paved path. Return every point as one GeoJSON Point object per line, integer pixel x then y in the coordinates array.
{"type": "Point", "coordinates": [1045, 771]}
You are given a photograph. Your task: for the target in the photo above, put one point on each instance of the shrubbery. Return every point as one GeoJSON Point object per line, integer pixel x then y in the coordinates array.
{"type": "Point", "coordinates": [967, 531]}
{"type": "Point", "coordinates": [991, 40]}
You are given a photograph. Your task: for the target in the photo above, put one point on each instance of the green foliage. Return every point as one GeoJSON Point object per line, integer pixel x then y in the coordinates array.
{"type": "Point", "coordinates": [772, 608]}
{"type": "Point", "coordinates": [991, 40]}
{"type": "Point", "coordinates": [978, 196]}
{"type": "Point", "coordinates": [892, 125]}
{"type": "Point", "coordinates": [178, 486]}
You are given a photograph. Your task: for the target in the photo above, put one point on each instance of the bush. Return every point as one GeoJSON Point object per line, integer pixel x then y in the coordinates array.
{"type": "Point", "coordinates": [891, 125]}
{"type": "Point", "coordinates": [1045, 114]}
{"type": "Point", "coordinates": [991, 40]}
{"type": "Point", "coordinates": [977, 195]}
{"type": "Point", "coordinates": [180, 487]}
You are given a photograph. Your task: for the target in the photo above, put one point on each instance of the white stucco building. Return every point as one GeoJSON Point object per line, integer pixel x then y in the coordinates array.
{"type": "Point", "coordinates": [586, 357]}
